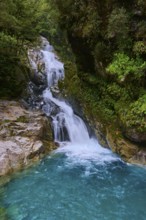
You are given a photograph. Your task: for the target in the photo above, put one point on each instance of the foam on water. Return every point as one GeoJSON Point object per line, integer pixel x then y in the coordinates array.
{"type": "Point", "coordinates": [81, 153]}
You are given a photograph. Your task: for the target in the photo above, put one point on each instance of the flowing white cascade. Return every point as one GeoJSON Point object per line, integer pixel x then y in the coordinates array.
{"type": "Point", "coordinates": [75, 127]}
{"type": "Point", "coordinates": [54, 68]}
{"type": "Point", "coordinates": [69, 130]}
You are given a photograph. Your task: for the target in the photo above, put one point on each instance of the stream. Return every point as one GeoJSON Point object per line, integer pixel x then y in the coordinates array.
{"type": "Point", "coordinates": [80, 180]}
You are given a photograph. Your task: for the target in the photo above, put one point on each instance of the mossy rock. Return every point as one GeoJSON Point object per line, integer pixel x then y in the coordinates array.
{"type": "Point", "coordinates": [23, 119]}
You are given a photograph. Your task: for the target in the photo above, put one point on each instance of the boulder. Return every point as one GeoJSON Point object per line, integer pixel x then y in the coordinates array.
{"type": "Point", "coordinates": [23, 136]}
{"type": "Point", "coordinates": [130, 152]}
{"type": "Point", "coordinates": [134, 135]}
{"type": "Point", "coordinates": [139, 158]}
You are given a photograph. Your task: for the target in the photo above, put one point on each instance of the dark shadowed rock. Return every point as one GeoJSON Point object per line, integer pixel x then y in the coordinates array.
{"type": "Point", "coordinates": [135, 136]}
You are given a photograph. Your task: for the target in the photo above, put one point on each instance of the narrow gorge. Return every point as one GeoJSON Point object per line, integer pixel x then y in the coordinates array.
{"type": "Point", "coordinates": [72, 110]}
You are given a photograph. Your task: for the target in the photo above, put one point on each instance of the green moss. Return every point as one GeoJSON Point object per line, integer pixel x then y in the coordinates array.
{"type": "Point", "coordinates": [122, 66]}
{"type": "Point", "coordinates": [134, 115]}
{"type": "Point", "coordinates": [22, 119]}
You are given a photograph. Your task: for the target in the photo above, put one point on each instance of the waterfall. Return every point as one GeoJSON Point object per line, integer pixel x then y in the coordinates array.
{"type": "Point", "coordinates": [78, 181]}
{"type": "Point", "coordinates": [70, 130]}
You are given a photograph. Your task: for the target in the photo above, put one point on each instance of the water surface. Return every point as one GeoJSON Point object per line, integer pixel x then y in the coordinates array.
{"type": "Point", "coordinates": [62, 188]}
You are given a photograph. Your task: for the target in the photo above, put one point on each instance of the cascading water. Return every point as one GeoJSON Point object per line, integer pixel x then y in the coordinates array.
{"type": "Point", "coordinates": [80, 180]}
{"type": "Point", "coordinates": [69, 130]}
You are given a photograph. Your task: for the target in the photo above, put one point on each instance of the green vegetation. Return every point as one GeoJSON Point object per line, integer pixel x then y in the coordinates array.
{"type": "Point", "coordinates": [21, 22]}
{"type": "Point", "coordinates": [122, 67]}
{"type": "Point", "coordinates": [108, 39]}
{"type": "Point", "coordinates": [102, 44]}
{"type": "Point", "coordinates": [135, 115]}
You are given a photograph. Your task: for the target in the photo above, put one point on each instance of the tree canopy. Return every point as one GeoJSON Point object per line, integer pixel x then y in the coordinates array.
{"type": "Point", "coordinates": [21, 22]}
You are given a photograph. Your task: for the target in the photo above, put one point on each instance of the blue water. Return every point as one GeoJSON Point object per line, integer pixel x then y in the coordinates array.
{"type": "Point", "coordinates": [61, 189]}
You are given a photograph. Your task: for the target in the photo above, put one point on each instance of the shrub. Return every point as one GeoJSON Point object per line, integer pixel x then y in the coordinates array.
{"type": "Point", "coordinates": [123, 65]}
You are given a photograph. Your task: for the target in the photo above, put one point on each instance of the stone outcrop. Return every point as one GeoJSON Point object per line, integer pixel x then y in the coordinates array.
{"type": "Point", "coordinates": [129, 151]}
{"type": "Point", "coordinates": [134, 135]}
{"type": "Point", "coordinates": [24, 136]}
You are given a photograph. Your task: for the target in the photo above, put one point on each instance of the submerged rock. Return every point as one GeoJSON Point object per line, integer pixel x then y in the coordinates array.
{"type": "Point", "coordinates": [24, 136]}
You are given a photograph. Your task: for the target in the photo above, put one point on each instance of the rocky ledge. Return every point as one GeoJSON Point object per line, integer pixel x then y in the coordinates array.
{"type": "Point", "coordinates": [111, 137]}
{"type": "Point", "coordinates": [129, 151]}
{"type": "Point", "coordinates": [24, 136]}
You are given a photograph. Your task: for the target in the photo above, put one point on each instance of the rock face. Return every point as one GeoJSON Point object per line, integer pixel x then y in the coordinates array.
{"type": "Point", "coordinates": [134, 135]}
{"type": "Point", "coordinates": [24, 136]}
{"type": "Point", "coordinates": [129, 151]}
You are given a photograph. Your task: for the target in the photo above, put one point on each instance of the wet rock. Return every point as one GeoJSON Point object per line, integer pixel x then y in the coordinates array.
{"type": "Point", "coordinates": [97, 129]}
{"type": "Point", "coordinates": [37, 148]}
{"type": "Point", "coordinates": [129, 151]}
{"type": "Point", "coordinates": [4, 164]}
{"type": "Point", "coordinates": [22, 136]}
{"type": "Point", "coordinates": [38, 78]}
{"type": "Point", "coordinates": [37, 75]}
{"type": "Point", "coordinates": [118, 145]}
{"type": "Point", "coordinates": [139, 158]}
{"type": "Point", "coordinates": [100, 133]}
{"type": "Point", "coordinates": [135, 136]}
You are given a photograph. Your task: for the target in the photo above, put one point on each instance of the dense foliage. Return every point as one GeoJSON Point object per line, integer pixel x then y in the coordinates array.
{"type": "Point", "coordinates": [20, 25]}
{"type": "Point", "coordinates": [108, 39]}
{"type": "Point", "coordinates": [107, 69]}
{"type": "Point", "coordinates": [124, 66]}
